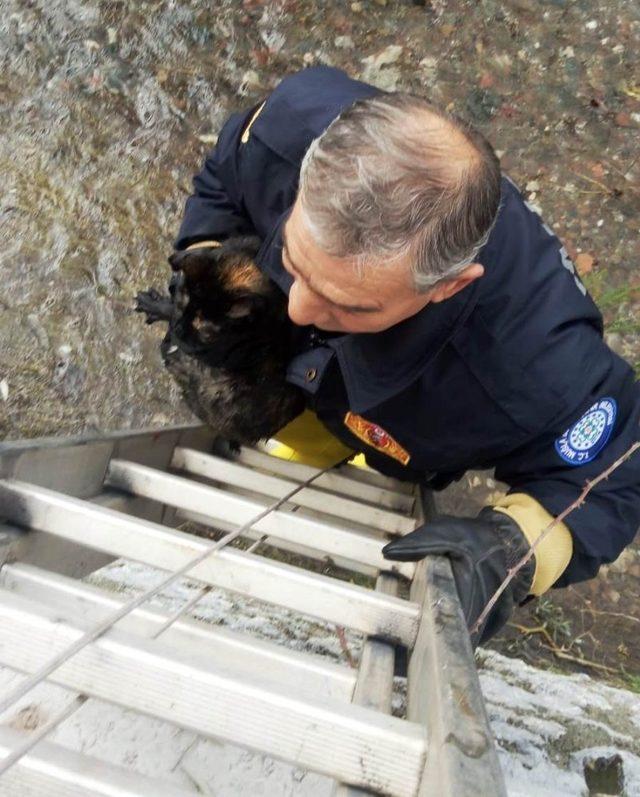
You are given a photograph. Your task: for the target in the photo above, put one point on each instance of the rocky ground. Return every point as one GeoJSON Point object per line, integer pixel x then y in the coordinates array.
{"type": "Point", "coordinates": [107, 108]}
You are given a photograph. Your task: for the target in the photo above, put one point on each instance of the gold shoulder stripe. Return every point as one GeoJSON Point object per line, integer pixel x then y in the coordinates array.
{"type": "Point", "coordinates": [245, 136]}
{"type": "Point", "coordinates": [376, 437]}
{"type": "Point", "coordinates": [204, 244]}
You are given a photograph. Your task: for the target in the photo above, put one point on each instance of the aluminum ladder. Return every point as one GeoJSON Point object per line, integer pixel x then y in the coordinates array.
{"type": "Point", "coordinates": [70, 506]}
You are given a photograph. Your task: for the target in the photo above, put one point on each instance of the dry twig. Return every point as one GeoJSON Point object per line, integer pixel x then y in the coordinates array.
{"type": "Point", "coordinates": [624, 173]}
{"type": "Point", "coordinates": [622, 615]}
{"type": "Point", "coordinates": [342, 637]}
{"type": "Point", "coordinates": [605, 188]}
{"type": "Point", "coordinates": [561, 653]}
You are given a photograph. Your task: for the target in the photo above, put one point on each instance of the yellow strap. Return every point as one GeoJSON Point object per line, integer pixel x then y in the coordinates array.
{"type": "Point", "coordinates": [552, 555]}
{"type": "Point", "coordinates": [307, 440]}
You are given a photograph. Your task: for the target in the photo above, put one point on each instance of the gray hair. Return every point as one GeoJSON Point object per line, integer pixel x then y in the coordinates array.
{"type": "Point", "coordinates": [393, 175]}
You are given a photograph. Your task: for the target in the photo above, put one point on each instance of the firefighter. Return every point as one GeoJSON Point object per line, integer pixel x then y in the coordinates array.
{"type": "Point", "coordinates": [441, 325]}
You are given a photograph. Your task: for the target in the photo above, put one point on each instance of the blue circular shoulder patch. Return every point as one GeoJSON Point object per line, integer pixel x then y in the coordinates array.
{"type": "Point", "coordinates": [583, 441]}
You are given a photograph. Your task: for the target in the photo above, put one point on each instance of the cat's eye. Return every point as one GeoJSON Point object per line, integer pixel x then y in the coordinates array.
{"type": "Point", "coordinates": [206, 329]}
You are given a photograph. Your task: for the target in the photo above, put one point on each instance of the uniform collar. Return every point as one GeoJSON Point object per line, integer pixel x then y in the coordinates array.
{"type": "Point", "coordinates": [377, 366]}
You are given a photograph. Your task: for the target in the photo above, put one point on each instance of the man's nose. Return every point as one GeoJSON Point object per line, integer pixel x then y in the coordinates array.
{"type": "Point", "coordinates": [304, 306]}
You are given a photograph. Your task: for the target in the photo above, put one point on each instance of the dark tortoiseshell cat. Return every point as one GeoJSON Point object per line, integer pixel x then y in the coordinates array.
{"type": "Point", "coordinates": [228, 341]}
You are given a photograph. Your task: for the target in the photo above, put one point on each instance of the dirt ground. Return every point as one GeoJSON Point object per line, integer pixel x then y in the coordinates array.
{"type": "Point", "coordinates": [107, 109]}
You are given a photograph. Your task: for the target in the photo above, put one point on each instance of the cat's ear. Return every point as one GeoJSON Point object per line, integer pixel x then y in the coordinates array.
{"type": "Point", "coordinates": [195, 264]}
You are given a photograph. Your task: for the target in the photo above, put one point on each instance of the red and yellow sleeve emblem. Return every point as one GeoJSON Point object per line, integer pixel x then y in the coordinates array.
{"type": "Point", "coordinates": [376, 437]}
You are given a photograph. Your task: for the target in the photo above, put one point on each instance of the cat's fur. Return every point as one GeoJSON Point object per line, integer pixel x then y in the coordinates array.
{"type": "Point", "coordinates": [228, 341]}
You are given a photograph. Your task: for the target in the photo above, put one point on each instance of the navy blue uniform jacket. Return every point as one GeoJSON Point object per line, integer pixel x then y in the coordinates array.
{"type": "Point", "coordinates": [511, 373]}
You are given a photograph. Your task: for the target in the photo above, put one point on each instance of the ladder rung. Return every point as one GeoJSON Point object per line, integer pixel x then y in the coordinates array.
{"type": "Point", "coordinates": [347, 742]}
{"type": "Point", "coordinates": [228, 472]}
{"type": "Point", "coordinates": [219, 505]}
{"type": "Point", "coordinates": [55, 771]}
{"type": "Point", "coordinates": [218, 683]}
{"type": "Point", "coordinates": [284, 545]}
{"type": "Point", "coordinates": [91, 605]}
{"type": "Point", "coordinates": [368, 475]}
{"type": "Point", "coordinates": [309, 593]}
{"type": "Point", "coordinates": [333, 481]}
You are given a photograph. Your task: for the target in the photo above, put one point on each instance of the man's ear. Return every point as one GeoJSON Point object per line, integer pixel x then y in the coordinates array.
{"type": "Point", "coordinates": [447, 288]}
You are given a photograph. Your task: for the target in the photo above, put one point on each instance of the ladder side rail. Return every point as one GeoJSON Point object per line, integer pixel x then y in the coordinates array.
{"type": "Point", "coordinates": [77, 465]}
{"type": "Point", "coordinates": [443, 688]}
{"type": "Point", "coordinates": [374, 687]}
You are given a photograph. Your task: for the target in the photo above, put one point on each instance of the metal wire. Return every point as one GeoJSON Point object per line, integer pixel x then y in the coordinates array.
{"type": "Point", "coordinates": [179, 612]}
{"type": "Point", "coordinates": [41, 732]}
{"type": "Point", "coordinates": [197, 598]}
{"type": "Point", "coordinates": [258, 542]}
{"type": "Point", "coordinates": [80, 700]}
{"type": "Point", "coordinates": [90, 636]}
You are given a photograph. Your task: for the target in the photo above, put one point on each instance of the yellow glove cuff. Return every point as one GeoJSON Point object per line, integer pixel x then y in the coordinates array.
{"type": "Point", "coordinates": [552, 555]}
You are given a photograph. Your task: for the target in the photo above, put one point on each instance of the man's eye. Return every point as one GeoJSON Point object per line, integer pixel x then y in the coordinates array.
{"type": "Point", "coordinates": [355, 311]}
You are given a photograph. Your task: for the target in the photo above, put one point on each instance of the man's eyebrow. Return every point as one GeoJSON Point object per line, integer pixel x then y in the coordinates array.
{"type": "Point", "coordinates": [357, 308]}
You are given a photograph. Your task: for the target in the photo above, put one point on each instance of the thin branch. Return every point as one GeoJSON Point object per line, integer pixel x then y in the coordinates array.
{"type": "Point", "coordinates": [626, 171]}
{"type": "Point", "coordinates": [560, 652]}
{"type": "Point", "coordinates": [599, 183]}
{"type": "Point", "coordinates": [342, 637]}
{"type": "Point", "coordinates": [511, 573]}
{"type": "Point", "coordinates": [622, 615]}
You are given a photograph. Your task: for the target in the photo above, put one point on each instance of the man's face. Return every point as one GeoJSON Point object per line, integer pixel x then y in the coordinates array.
{"type": "Point", "coordinates": [333, 294]}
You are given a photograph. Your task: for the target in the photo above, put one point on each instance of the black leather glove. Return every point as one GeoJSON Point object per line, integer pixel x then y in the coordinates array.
{"type": "Point", "coordinates": [481, 551]}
